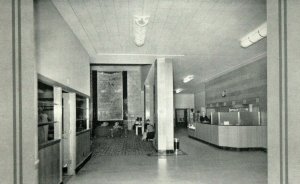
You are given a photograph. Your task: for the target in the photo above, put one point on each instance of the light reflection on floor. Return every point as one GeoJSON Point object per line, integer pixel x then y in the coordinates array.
{"type": "Point", "coordinates": [162, 168]}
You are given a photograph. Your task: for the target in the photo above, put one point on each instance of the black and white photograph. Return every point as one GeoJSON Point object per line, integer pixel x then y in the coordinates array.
{"type": "Point", "coordinates": [149, 92]}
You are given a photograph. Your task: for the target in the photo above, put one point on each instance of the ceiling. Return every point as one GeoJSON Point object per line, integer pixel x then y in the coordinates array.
{"type": "Point", "coordinates": [206, 32]}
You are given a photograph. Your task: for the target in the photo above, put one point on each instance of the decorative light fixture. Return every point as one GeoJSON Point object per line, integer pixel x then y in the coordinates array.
{"type": "Point", "coordinates": [178, 90]}
{"type": "Point", "coordinates": [188, 78]}
{"type": "Point", "coordinates": [254, 36]}
{"type": "Point", "coordinates": [139, 28]}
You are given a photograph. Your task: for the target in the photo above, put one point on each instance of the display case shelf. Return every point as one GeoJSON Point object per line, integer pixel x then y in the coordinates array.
{"type": "Point", "coordinates": [81, 113]}
{"type": "Point", "coordinates": [46, 106]}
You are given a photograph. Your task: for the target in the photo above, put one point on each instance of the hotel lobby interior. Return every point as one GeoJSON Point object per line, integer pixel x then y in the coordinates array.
{"type": "Point", "coordinates": [149, 91]}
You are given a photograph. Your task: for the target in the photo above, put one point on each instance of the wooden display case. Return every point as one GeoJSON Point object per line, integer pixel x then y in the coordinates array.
{"type": "Point", "coordinates": [83, 137]}
{"type": "Point", "coordinates": [49, 143]}
{"type": "Point", "coordinates": [81, 114]}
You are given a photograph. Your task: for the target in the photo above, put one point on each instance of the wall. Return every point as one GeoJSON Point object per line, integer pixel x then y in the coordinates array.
{"type": "Point", "coordinates": [60, 55]}
{"type": "Point", "coordinates": [184, 101]}
{"type": "Point", "coordinates": [144, 73]}
{"type": "Point", "coordinates": [134, 91]}
{"type": "Point", "coordinates": [247, 82]}
{"type": "Point", "coordinates": [135, 103]}
{"type": "Point", "coordinates": [149, 95]}
{"type": "Point", "coordinates": [199, 100]}
{"type": "Point", "coordinates": [200, 97]}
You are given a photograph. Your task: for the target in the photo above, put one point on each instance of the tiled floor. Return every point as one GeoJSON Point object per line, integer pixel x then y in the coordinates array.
{"type": "Point", "coordinates": [204, 164]}
{"type": "Point", "coordinates": [117, 146]}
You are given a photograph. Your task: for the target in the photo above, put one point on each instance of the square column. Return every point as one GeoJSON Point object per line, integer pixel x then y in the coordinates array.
{"type": "Point", "coordinates": [164, 105]}
{"type": "Point", "coordinates": [283, 92]}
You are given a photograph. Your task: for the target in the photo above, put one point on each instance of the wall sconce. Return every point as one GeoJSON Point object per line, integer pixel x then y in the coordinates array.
{"type": "Point", "coordinates": [139, 26]}
{"type": "Point", "coordinates": [254, 36]}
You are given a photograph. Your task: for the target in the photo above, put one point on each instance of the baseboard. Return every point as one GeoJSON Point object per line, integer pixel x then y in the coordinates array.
{"type": "Point", "coordinates": [229, 148]}
{"type": "Point", "coordinates": [163, 152]}
{"type": "Point", "coordinates": [81, 164]}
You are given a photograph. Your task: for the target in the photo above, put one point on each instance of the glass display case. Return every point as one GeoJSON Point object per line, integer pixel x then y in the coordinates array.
{"type": "Point", "coordinates": [236, 118]}
{"type": "Point", "coordinates": [228, 118]}
{"type": "Point", "coordinates": [45, 113]}
{"type": "Point", "coordinates": [81, 113]}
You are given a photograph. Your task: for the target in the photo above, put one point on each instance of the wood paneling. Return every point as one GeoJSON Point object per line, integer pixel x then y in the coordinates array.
{"type": "Point", "coordinates": [247, 82]}
{"type": "Point", "coordinates": [83, 146]}
{"type": "Point", "coordinates": [49, 165]}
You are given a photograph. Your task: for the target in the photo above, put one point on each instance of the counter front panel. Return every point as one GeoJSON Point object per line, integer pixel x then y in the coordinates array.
{"type": "Point", "coordinates": [231, 136]}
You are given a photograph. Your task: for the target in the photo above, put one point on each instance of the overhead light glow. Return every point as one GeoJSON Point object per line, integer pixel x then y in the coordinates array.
{"type": "Point", "coordinates": [188, 78]}
{"type": "Point", "coordinates": [178, 90]}
{"type": "Point", "coordinates": [254, 36]}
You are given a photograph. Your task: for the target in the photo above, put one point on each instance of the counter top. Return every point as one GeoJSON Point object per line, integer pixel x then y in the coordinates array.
{"type": "Point", "coordinates": [227, 125]}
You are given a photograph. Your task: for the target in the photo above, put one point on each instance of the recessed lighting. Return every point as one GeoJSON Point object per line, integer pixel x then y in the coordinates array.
{"type": "Point", "coordinates": [188, 78]}
{"type": "Point", "coordinates": [178, 90]}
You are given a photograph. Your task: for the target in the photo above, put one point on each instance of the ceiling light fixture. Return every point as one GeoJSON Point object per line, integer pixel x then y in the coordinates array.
{"type": "Point", "coordinates": [188, 78]}
{"type": "Point", "coordinates": [254, 36]}
{"type": "Point", "coordinates": [139, 26]}
{"type": "Point", "coordinates": [178, 90]}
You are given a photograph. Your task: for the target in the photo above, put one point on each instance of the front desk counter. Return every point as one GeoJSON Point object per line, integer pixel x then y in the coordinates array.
{"type": "Point", "coordinates": [230, 136]}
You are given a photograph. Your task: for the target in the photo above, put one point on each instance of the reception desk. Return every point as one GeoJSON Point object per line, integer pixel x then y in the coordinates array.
{"type": "Point", "coordinates": [233, 135]}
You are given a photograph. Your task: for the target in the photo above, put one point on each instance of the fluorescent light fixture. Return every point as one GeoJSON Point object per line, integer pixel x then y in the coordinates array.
{"type": "Point", "coordinates": [188, 78]}
{"type": "Point", "coordinates": [254, 36]}
{"type": "Point", "coordinates": [140, 23]}
{"type": "Point", "coordinates": [178, 90]}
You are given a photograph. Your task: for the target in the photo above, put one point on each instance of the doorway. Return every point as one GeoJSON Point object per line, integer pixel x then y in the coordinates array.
{"type": "Point", "coordinates": [181, 118]}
